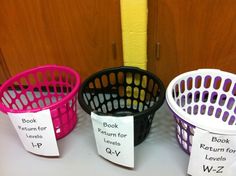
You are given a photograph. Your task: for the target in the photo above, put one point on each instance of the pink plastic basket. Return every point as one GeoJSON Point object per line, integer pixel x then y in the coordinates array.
{"type": "Point", "coordinates": [47, 87]}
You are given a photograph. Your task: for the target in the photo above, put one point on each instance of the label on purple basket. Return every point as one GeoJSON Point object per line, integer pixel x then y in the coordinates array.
{"type": "Point", "coordinates": [212, 154]}
{"type": "Point", "coordinates": [36, 132]}
{"type": "Point", "coordinates": [115, 138]}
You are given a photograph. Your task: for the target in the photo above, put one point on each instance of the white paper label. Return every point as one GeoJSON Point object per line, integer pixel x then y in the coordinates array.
{"type": "Point", "coordinates": [36, 132]}
{"type": "Point", "coordinates": [212, 154]}
{"type": "Point", "coordinates": [115, 138]}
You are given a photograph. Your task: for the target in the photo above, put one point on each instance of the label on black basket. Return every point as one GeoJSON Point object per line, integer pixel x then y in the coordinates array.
{"type": "Point", "coordinates": [36, 132]}
{"type": "Point", "coordinates": [115, 138]}
{"type": "Point", "coordinates": [212, 154]}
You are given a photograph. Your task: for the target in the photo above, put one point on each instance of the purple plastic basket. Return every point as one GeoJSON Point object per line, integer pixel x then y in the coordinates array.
{"type": "Point", "coordinates": [204, 98]}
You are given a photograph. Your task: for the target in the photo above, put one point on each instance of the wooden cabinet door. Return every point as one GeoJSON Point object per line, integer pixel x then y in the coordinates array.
{"type": "Point", "coordinates": [85, 35]}
{"type": "Point", "coordinates": [187, 35]}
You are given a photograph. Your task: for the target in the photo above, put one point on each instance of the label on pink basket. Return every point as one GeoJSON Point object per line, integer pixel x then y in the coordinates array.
{"type": "Point", "coordinates": [36, 132]}
{"type": "Point", "coordinates": [115, 138]}
{"type": "Point", "coordinates": [212, 154]}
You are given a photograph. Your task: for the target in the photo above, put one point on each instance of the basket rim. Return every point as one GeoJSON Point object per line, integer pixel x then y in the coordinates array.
{"type": "Point", "coordinates": [231, 129]}
{"type": "Point", "coordinates": [152, 109]}
{"type": "Point", "coordinates": [5, 109]}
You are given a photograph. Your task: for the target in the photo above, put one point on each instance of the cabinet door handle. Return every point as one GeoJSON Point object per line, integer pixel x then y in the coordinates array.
{"type": "Point", "coordinates": [114, 52]}
{"type": "Point", "coordinates": [157, 50]}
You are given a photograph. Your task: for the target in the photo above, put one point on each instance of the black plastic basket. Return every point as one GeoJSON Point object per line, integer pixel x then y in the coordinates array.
{"type": "Point", "coordinates": [124, 91]}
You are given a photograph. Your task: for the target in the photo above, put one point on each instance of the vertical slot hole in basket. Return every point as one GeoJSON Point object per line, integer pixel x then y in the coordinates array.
{"type": "Point", "coordinates": [19, 104]}
{"type": "Point", "coordinates": [96, 102]}
{"type": "Point", "coordinates": [58, 88]}
{"type": "Point", "coordinates": [112, 78]}
{"type": "Point", "coordinates": [218, 113]}
{"type": "Point", "coordinates": [104, 80]}
{"type": "Point", "coordinates": [87, 97]}
{"type": "Point", "coordinates": [120, 77]}
{"type": "Point", "coordinates": [30, 96]}
{"type": "Point", "coordinates": [190, 98]}
{"type": "Point", "coordinates": [109, 106]}
{"type": "Point", "coordinates": [128, 103]}
{"type": "Point", "coordinates": [173, 94]}
{"type": "Point", "coordinates": [176, 90]}
{"type": "Point", "coordinates": [207, 81]}
{"type": "Point", "coordinates": [40, 103]}
{"type": "Point", "coordinates": [217, 82]}
{"type": "Point", "coordinates": [92, 105]}
{"type": "Point", "coordinates": [203, 109]}
{"type": "Point", "coordinates": [39, 77]}
{"type": "Point", "coordinates": [137, 78]}
{"type": "Point", "coordinates": [189, 110]}
{"type": "Point", "coordinates": [140, 106]}
{"type": "Point", "coordinates": [121, 91]}
{"type": "Point", "coordinates": [190, 83]}
{"type": "Point", "coordinates": [227, 85]}
{"type": "Point", "coordinates": [222, 100]}
{"type": "Point", "coordinates": [107, 96]}
{"type": "Point", "coordinates": [5, 103]}
{"type": "Point", "coordinates": [97, 84]}
{"type": "Point", "coordinates": [101, 97]}
{"type": "Point", "coordinates": [47, 101]}
{"type": "Point", "coordinates": [135, 104]}
{"type": "Point", "coordinates": [128, 91]}
{"type": "Point", "coordinates": [142, 95]}
{"type": "Point", "coordinates": [205, 96]}
{"type": "Point", "coordinates": [104, 108]}
{"type": "Point", "coordinates": [214, 97]}
{"type": "Point", "coordinates": [14, 107]}
{"type": "Point", "coordinates": [122, 103]}
{"type": "Point", "coordinates": [63, 76]}
{"type": "Point", "coordinates": [129, 78]}
{"type": "Point", "coordinates": [115, 104]}
{"type": "Point", "coordinates": [150, 85]}
{"type": "Point", "coordinates": [231, 120]}
{"type": "Point", "coordinates": [182, 100]}
{"type": "Point", "coordinates": [210, 110]}
{"type": "Point", "coordinates": [234, 90]}
{"type": "Point", "coordinates": [24, 83]}
{"type": "Point", "coordinates": [57, 76]}
{"type": "Point", "coordinates": [136, 92]}
{"type": "Point", "coordinates": [230, 103]}
{"type": "Point", "coordinates": [225, 116]}
{"type": "Point", "coordinates": [178, 102]}
{"type": "Point", "coordinates": [36, 92]}
{"type": "Point", "coordinates": [182, 86]}
{"type": "Point", "coordinates": [144, 81]}
{"type": "Point", "coordinates": [7, 97]}
{"type": "Point", "coordinates": [11, 92]}
{"type": "Point", "coordinates": [185, 135]}
{"type": "Point", "coordinates": [31, 79]}
{"type": "Point", "coordinates": [91, 85]}
{"type": "Point", "coordinates": [23, 99]}
{"type": "Point", "coordinates": [196, 96]}
{"type": "Point", "coordinates": [198, 82]}
{"type": "Point", "coordinates": [195, 109]}
{"type": "Point", "coordinates": [148, 97]}
{"type": "Point", "coordinates": [53, 99]}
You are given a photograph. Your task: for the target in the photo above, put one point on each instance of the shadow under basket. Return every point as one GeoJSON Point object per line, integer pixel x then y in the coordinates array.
{"type": "Point", "coordinates": [46, 87]}
{"type": "Point", "coordinates": [204, 98]}
{"type": "Point", "coordinates": [124, 91]}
